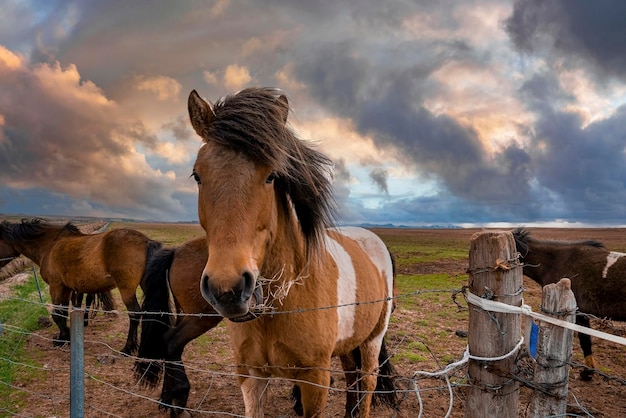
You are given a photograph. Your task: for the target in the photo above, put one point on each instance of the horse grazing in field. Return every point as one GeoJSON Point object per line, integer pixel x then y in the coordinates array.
{"type": "Point", "coordinates": [70, 261]}
{"type": "Point", "coordinates": [178, 271]}
{"type": "Point", "coordinates": [598, 278]}
{"type": "Point", "coordinates": [99, 301]}
{"type": "Point", "coordinates": [295, 291]}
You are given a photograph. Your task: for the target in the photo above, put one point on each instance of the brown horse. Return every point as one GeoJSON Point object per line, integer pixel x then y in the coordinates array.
{"type": "Point", "coordinates": [178, 271]}
{"type": "Point", "coordinates": [598, 278]}
{"type": "Point", "coordinates": [70, 261]}
{"type": "Point", "coordinates": [296, 292]}
{"type": "Point", "coordinates": [7, 254]}
{"type": "Point", "coordinates": [93, 302]}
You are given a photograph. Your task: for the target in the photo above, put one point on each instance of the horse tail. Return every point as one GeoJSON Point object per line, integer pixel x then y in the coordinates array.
{"type": "Point", "coordinates": [155, 317]}
{"type": "Point", "coordinates": [385, 392]}
{"type": "Point", "coordinates": [152, 247]}
{"type": "Point", "coordinates": [106, 301]}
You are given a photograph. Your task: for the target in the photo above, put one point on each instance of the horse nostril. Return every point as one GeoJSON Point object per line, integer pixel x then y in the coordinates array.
{"type": "Point", "coordinates": [207, 291]}
{"type": "Point", "coordinates": [248, 286]}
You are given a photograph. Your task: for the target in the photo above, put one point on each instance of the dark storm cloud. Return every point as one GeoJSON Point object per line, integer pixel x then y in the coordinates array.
{"type": "Point", "coordinates": [582, 167]}
{"type": "Point", "coordinates": [387, 105]}
{"type": "Point", "coordinates": [585, 167]}
{"type": "Point", "coordinates": [588, 32]}
{"type": "Point", "coordinates": [379, 177]}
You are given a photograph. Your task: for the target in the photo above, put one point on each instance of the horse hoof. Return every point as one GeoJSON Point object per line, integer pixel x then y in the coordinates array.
{"type": "Point", "coordinates": [586, 375]}
{"type": "Point", "coordinates": [59, 343]}
{"type": "Point", "coordinates": [44, 322]}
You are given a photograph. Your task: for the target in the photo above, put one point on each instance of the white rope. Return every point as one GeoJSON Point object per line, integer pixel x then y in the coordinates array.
{"type": "Point", "coordinates": [493, 306]}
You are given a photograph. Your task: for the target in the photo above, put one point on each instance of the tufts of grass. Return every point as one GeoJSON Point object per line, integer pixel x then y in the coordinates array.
{"type": "Point", "coordinates": [18, 318]}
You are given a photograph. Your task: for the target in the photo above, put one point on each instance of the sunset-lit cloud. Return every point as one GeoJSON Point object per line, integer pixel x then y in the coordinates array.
{"type": "Point", "coordinates": [466, 112]}
{"type": "Point", "coordinates": [236, 77]}
{"type": "Point", "coordinates": [164, 88]}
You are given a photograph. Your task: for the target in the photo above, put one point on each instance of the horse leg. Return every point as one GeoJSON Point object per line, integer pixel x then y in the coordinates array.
{"type": "Point", "coordinates": [585, 344]}
{"type": "Point", "coordinates": [132, 305]}
{"type": "Point", "coordinates": [77, 302]}
{"type": "Point", "coordinates": [176, 385]}
{"type": "Point", "coordinates": [368, 375]}
{"type": "Point", "coordinates": [253, 388]}
{"type": "Point", "coordinates": [60, 296]}
{"type": "Point", "coordinates": [315, 394]}
{"type": "Point", "coordinates": [89, 300]}
{"type": "Point", "coordinates": [350, 367]}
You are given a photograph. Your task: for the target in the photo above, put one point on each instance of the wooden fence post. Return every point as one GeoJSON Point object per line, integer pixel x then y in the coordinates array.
{"type": "Point", "coordinates": [495, 274]}
{"type": "Point", "coordinates": [554, 351]}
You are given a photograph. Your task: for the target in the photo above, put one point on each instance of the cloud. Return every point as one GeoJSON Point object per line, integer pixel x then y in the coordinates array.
{"type": "Point", "coordinates": [165, 88]}
{"type": "Point", "coordinates": [62, 133]}
{"type": "Point", "coordinates": [379, 177]}
{"type": "Point", "coordinates": [236, 77]}
{"type": "Point", "coordinates": [579, 32]}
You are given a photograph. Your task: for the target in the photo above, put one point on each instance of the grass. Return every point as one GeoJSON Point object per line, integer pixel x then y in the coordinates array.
{"type": "Point", "coordinates": [18, 318]}
{"type": "Point", "coordinates": [424, 322]}
{"type": "Point", "coordinates": [168, 234]}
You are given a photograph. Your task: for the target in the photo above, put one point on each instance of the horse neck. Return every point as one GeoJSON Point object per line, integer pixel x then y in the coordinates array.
{"type": "Point", "coordinates": [7, 253]}
{"type": "Point", "coordinates": [542, 261]}
{"type": "Point", "coordinates": [286, 256]}
{"type": "Point", "coordinates": [37, 249]}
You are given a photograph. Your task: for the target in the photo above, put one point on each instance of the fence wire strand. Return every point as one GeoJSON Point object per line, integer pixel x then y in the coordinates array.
{"type": "Point", "coordinates": [407, 385]}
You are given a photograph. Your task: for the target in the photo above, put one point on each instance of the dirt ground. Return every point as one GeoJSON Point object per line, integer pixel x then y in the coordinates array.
{"type": "Point", "coordinates": [111, 390]}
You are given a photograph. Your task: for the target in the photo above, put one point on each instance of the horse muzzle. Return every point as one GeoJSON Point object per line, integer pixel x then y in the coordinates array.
{"type": "Point", "coordinates": [239, 304]}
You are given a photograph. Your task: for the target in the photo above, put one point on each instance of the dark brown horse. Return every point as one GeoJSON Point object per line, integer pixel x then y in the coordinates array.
{"type": "Point", "coordinates": [598, 278]}
{"type": "Point", "coordinates": [296, 292]}
{"type": "Point", "coordinates": [164, 335]}
{"type": "Point", "coordinates": [70, 261]}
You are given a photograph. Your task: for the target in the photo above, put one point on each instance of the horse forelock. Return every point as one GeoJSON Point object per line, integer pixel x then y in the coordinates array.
{"type": "Point", "coordinates": [252, 122]}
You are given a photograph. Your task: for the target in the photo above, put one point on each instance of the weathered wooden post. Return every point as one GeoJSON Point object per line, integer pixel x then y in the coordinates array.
{"type": "Point", "coordinates": [77, 364]}
{"type": "Point", "coordinates": [494, 274]}
{"type": "Point", "coordinates": [554, 351]}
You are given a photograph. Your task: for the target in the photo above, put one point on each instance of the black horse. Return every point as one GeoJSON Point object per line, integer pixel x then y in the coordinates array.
{"type": "Point", "coordinates": [598, 278]}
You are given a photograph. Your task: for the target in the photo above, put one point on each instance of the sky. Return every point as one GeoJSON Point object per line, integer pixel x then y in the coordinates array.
{"type": "Point", "coordinates": [457, 112]}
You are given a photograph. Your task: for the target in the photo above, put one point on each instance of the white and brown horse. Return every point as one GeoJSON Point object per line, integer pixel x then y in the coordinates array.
{"type": "Point", "coordinates": [598, 278]}
{"type": "Point", "coordinates": [296, 292]}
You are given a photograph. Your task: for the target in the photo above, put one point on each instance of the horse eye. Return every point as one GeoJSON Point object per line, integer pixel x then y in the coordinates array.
{"type": "Point", "coordinates": [196, 177]}
{"type": "Point", "coordinates": [270, 179]}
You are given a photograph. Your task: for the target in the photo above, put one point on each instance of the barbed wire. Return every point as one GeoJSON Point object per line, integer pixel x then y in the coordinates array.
{"type": "Point", "coordinates": [409, 383]}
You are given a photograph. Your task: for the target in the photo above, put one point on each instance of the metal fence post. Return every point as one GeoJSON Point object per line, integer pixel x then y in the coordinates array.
{"type": "Point", "coordinates": [77, 364]}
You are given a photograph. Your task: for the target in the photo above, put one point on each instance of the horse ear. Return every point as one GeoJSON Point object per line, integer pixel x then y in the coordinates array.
{"type": "Point", "coordinates": [200, 113]}
{"type": "Point", "coordinates": [283, 106]}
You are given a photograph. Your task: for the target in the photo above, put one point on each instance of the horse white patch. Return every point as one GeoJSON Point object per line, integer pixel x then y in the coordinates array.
{"type": "Point", "coordinates": [346, 289]}
{"type": "Point", "coordinates": [379, 254]}
{"type": "Point", "coordinates": [610, 260]}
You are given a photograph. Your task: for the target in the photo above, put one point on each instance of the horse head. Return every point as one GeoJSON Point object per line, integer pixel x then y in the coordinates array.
{"type": "Point", "coordinates": [254, 178]}
{"type": "Point", "coordinates": [7, 252]}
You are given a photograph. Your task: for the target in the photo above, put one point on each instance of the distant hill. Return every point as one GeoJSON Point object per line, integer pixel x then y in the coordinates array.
{"type": "Point", "coordinates": [448, 226]}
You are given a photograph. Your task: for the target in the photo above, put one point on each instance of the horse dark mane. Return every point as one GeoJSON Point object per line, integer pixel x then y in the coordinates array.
{"type": "Point", "coordinates": [32, 229]}
{"type": "Point", "coordinates": [523, 235]}
{"type": "Point", "coordinates": [253, 122]}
